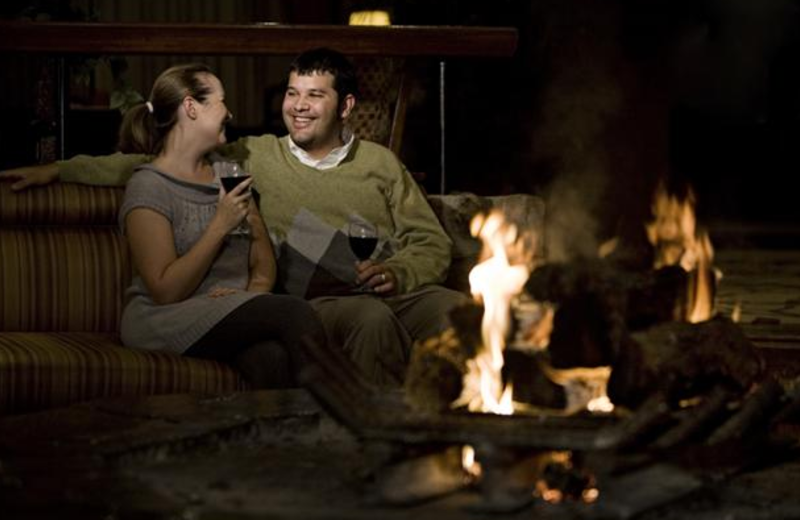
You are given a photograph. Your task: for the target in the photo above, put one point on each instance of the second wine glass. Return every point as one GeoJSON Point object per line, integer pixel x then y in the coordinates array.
{"type": "Point", "coordinates": [363, 238]}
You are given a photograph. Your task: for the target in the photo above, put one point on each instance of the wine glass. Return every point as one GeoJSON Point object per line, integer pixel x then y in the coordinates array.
{"type": "Point", "coordinates": [230, 175]}
{"type": "Point", "coordinates": [363, 238]}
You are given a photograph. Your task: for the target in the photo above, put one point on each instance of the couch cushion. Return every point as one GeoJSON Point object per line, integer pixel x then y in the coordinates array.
{"type": "Point", "coordinates": [43, 370]}
{"type": "Point", "coordinates": [456, 211]}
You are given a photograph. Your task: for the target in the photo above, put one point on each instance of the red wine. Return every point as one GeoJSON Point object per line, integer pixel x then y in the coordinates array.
{"type": "Point", "coordinates": [363, 246]}
{"type": "Point", "coordinates": [231, 182]}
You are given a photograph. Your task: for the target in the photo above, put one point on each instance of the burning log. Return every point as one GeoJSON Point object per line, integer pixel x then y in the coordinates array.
{"type": "Point", "coordinates": [599, 302]}
{"type": "Point", "coordinates": [636, 427]}
{"type": "Point", "coordinates": [682, 360]}
{"type": "Point", "coordinates": [527, 372]}
{"type": "Point", "coordinates": [435, 376]}
{"type": "Point", "coordinates": [434, 379]}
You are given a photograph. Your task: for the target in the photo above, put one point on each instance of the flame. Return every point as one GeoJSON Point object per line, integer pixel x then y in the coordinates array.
{"type": "Point", "coordinates": [468, 462]}
{"type": "Point", "coordinates": [548, 494]}
{"type": "Point", "coordinates": [585, 387]}
{"type": "Point", "coordinates": [673, 232]}
{"type": "Point", "coordinates": [736, 312]}
{"type": "Point", "coordinates": [590, 495]}
{"type": "Point", "coordinates": [495, 281]}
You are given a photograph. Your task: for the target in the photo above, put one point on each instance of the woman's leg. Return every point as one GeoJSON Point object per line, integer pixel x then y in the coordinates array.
{"type": "Point", "coordinates": [270, 326]}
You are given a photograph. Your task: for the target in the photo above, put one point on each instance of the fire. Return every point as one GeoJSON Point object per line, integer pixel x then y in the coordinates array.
{"type": "Point", "coordinates": [495, 281]}
{"type": "Point", "coordinates": [673, 232]}
{"type": "Point", "coordinates": [585, 387]}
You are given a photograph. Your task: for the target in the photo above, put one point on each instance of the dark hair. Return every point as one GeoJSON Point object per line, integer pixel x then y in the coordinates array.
{"type": "Point", "coordinates": [145, 126]}
{"type": "Point", "coordinates": [322, 60]}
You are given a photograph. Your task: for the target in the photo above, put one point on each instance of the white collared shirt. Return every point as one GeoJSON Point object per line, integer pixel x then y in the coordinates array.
{"type": "Point", "coordinates": [334, 157]}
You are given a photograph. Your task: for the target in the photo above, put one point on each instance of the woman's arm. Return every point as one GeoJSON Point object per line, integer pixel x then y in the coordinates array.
{"type": "Point", "coordinates": [263, 268]}
{"type": "Point", "coordinates": [168, 277]}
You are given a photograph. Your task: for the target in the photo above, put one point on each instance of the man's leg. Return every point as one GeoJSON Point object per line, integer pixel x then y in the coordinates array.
{"type": "Point", "coordinates": [426, 312]}
{"type": "Point", "coordinates": [367, 330]}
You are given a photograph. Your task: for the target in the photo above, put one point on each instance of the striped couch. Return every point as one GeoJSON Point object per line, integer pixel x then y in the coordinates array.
{"type": "Point", "coordinates": [63, 269]}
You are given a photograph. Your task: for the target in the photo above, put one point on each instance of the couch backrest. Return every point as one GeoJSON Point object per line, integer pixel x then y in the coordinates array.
{"type": "Point", "coordinates": [64, 266]}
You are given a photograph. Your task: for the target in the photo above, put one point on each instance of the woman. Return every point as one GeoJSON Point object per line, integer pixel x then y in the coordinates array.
{"type": "Point", "coordinates": [200, 290]}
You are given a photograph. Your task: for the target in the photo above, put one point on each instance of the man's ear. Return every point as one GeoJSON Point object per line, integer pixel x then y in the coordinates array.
{"type": "Point", "coordinates": [346, 106]}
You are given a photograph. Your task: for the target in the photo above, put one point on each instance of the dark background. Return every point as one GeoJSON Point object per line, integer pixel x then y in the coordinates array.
{"type": "Point", "coordinates": [601, 100]}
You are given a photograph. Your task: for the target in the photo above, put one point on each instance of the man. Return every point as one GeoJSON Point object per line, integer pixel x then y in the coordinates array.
{"type": "Point", "coordinates": [312, 182]}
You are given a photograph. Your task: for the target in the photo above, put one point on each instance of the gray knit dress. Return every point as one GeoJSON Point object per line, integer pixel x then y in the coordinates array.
{"type": "Point", "coordinates": [189, 207]}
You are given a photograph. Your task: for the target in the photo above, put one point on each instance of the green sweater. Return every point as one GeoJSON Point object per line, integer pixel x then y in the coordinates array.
{"type": "Point", "coordinates": [307, 211]}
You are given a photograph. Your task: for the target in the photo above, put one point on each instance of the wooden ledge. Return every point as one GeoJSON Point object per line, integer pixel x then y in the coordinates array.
{"type": "Point", "coordinates": [254, 39]}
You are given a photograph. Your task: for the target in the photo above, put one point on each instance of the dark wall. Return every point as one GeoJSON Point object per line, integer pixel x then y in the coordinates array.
{"type": "Point", "coordinates": [601, 100]}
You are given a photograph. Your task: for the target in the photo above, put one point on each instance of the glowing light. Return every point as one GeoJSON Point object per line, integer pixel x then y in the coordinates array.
{"type": "Point", "coordinates": [370, 18]}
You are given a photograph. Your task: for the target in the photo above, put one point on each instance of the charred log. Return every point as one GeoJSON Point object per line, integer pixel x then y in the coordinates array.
{"type": "Point", "coordinates": [763, 402]}
{"type": "Point", "coordinates": [697, 420]}
{"type": "Point", "coordinates": [436, 373]}
{"type": "Point", "coordinates": [683, 360]}
{"type": "Point", "coordinates": [436, 370]}
{"type": "Point", "coordinates": [599, 302]}
{"type": "Point", "coordinates": [531, 384]}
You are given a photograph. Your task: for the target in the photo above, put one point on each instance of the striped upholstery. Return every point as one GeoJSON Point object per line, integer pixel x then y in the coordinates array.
{"type": "Point", "coordinates": [63, 270]}
{"type": "Point", "coordinates": [45, 369]}
{"type": "Point", "coordinates": [62, 279]}
{"type": "Point", "coordinates": [60, 204]}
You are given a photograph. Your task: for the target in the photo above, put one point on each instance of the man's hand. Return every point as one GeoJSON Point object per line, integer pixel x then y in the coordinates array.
{"type": "Point", "coordinates": [28, 176]}
{"type": "Point", "coordinates": [376, 276]}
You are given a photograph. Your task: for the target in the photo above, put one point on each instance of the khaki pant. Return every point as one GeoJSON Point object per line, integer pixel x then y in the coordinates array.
{"type": "Point", "coordinates": [378, 333]}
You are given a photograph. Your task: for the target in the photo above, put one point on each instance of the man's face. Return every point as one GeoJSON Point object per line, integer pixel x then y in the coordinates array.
{"type": "Point", "coordinates": [311, 112]}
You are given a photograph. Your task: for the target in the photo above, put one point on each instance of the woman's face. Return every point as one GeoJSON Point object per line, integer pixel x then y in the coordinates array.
{"type": "Point", "coordinates": [213, 114]}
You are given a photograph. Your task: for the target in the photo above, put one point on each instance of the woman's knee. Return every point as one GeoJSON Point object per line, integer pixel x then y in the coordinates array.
{"type": "Point", "coordinates": [266, 364]}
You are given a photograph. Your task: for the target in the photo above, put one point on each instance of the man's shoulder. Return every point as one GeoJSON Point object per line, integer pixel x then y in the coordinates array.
{"type": "Point", "coordinates": [372, 146]}
{"type": "Point", "coordinates": [261, 140]}
{"type": "Point", "coordinates": [373, 151]}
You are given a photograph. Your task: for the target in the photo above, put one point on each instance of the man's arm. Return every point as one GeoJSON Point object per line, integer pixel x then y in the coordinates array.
{"type": "Point", "coordinates": [28, 176]}
{"type": "Point", "coordinates": [424, 249]}
{"type": "Point", "coordinates": [107, 170]}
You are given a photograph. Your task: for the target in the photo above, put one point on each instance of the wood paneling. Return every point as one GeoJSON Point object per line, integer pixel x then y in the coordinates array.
{"type": "Point", "coordinates": [254, 39]}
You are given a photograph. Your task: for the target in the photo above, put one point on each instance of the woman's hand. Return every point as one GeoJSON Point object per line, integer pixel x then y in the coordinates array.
{"type": "Point", "coordinates": [219, 292]}
{"type": "Point", "coordinates": [233, 207]}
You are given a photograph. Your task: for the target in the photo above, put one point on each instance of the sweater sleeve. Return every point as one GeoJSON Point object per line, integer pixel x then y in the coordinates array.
{"type": "Point", "coordinates": [106, 170]}
{"type": "Point", "coordinates": [423, 252]}
{"type": "Point", "coordinates": [117, 168]}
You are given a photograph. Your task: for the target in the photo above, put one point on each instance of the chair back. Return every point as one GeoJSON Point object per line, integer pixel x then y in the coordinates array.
{"type": "Point", "coordinates": [380, 112]}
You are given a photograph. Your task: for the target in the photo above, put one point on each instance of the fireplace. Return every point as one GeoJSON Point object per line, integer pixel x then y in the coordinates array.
{"type": "Point", "coordinates": [574, 381]}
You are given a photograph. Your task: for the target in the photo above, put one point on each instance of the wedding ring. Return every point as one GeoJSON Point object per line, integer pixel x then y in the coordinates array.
{"type": "Point", "coordinates": [383, 277]}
